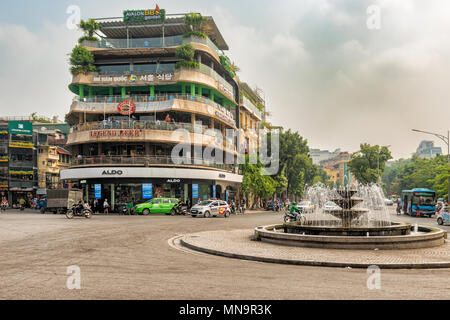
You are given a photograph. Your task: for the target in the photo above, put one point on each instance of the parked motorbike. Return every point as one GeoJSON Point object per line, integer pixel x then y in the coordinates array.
{"type": "Point", "coordinates": [232, 208]}
{"type": "Point", "coordinates": [294, 216]}
{"type": "Point", "coordinates": [80, 210]}
{"type": "Point", "coordinates": [179, 210]}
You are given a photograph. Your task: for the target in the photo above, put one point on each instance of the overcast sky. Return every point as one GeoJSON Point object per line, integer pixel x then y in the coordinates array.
{"type": "Point", "coordinates": [323, 71]}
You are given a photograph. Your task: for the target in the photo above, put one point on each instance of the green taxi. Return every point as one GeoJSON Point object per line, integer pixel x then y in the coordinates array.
{"type": "Point", "coordinates": [157, 205]}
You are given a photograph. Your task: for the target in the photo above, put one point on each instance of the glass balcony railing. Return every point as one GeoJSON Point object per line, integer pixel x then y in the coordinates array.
{"type": "Point", "coordinates": [158, 42]}
{"type": "Point", "coordinates": [159, 97]}
{"type": "Point", "coordinates": [250, 106]}
{"type": "Point", "coordinates": [150, 125]}
{"type": "Point", "coordinates": [143, 161]}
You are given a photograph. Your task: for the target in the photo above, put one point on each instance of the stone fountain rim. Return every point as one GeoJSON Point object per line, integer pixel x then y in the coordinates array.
{"type": "Point", "coordinates": [393, 226]}
{"type": "Point", "coordinates": [433, 237]}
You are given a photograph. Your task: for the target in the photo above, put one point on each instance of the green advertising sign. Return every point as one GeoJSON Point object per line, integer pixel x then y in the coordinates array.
{"type": "Point", "coordinates": [144, 15]}
{"type": "Point", "coordinates": [20, 127]}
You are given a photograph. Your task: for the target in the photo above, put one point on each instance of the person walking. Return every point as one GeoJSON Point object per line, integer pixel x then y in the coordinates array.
{"type": "Point", "coordinates": [95, 206]}
{"type": "Point", "coordinates": [106, 206]}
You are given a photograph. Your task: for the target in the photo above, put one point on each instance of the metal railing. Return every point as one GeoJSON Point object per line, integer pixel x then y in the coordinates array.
{"type": "Point", "coordinates": [144, 161]}
{"type": "Point", "coordinates": [156, 98]}
{"type": "Point", "coordinates": [158, 42]}
{"type": "Point", "coordinates": [142, 124]}
{"type": "Point", "coordinates": [250, 106]}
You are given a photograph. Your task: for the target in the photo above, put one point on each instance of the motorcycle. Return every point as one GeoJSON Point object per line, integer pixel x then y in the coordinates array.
{"type": "Point", "coordinates": [294, 216]}
{"type": "Point", "coordinates": [232, 208]}
{"type": "Point", "coordinates": [80, 210]}
{"type": "Point", "coordinates": [179, 209]}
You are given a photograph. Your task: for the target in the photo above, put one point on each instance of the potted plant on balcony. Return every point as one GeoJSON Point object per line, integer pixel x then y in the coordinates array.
{"type": "Point", "coordinates": [197, 24]}
{"type": "Point", "coordinates": [186, 53]}
{"type": "Point", "coordinates": [81, 61]}
{"type": "Point", "coordinates": [89, 27]}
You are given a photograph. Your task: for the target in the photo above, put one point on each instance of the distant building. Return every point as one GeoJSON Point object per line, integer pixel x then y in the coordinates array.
{"type": "Point", "coordinates": [318, 155]}
{"type": "Point", "coordinates": [427, 150]}
{"type": "Point", "coordinates": [337, 169]}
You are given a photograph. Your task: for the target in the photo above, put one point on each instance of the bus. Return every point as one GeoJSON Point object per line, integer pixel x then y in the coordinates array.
{"type": "Point", "coordinates": [419, 202]}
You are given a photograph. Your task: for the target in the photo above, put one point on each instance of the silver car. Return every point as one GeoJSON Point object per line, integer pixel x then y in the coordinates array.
{"type": "Point", "coordinates": [211, 208]}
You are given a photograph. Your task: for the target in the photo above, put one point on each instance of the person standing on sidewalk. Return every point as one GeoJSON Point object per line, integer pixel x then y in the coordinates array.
{"type": "Point", "coordinates": [105, 206]}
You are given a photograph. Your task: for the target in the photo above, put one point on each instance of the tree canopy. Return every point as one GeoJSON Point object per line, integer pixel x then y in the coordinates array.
{"type": "Point", "coordinates": [368, 164]}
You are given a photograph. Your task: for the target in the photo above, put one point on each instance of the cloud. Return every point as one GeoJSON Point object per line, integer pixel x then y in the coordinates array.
{"type": "Point", "coordinates": [34, 74]}
{"type": "Point", "coordinates": [322, 71]}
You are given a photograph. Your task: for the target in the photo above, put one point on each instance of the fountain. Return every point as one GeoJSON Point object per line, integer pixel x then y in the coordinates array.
{"type": "Point", "coordinates": [358, 219]}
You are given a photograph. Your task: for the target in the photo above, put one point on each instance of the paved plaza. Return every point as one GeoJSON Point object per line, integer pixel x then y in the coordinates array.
{"type": "Point", "coordinates": [134, 257]}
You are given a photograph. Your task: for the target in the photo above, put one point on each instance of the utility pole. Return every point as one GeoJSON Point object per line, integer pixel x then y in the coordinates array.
{"type": "Point", "coordinates": [446, 140]}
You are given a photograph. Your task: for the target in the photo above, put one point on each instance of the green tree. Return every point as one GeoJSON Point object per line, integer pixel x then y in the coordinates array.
{"type": "Point", "coordinates": [299, 169]}
{"type": "Point", "coordinates": [412, 173]}
{"type": "Point", "coordinates": [81, 60]}
{"type": "Point", "coordinates": [89, 27]}
{"type": "Point", "coordinates": [255, 183]}
{"type": "Point", "coordinates": [369, 162]}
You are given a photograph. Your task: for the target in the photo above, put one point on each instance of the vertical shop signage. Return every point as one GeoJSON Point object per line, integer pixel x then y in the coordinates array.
{"type": "Point", "coordinates": [98, 191]}
{"type": "Point", "coordinates": [226, 195]}
{"type": "Point", "coordinates": [147, 191]}
{"type": "Point", "coordinates": [214, 191]}
{"type": "Point", "coordinates": [195, 191]}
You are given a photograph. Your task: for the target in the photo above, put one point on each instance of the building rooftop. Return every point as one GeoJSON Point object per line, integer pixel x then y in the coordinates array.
{"type": "Point", "coordinates": [116, 28]}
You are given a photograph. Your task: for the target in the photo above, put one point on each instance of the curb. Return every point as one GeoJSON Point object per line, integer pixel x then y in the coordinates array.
{"type": "Point", "coordinates": [430, 265]}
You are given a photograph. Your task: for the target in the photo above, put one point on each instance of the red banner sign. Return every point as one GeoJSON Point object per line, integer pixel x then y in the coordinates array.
{"type": "Point", "coordinates": [116, 133]}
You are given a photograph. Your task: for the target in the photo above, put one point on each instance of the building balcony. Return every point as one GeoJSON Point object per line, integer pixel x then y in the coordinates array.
{"type": "Point", "coordinates": [146, 104]}
{"type": "Point", "coordinates": [247, 104]}
{"type": "Point", "coordinates": [153, 76]}
{"type": "Point", "coordinates": [146, 131]}
{"type": "Point", "coordinates": [146, 43]}
{"type": "Point", "coordinates": [147, 161]}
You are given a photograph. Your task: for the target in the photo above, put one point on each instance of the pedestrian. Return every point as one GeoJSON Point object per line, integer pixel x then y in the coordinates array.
{"type": "Point", "coordinates": [105, 206]}
{"type": "Point", "coordinates": [167, 120]}
{"type": "Point", "coordinates": [399, 207]}
{"type": "Point", "coordinates": [95, 207]}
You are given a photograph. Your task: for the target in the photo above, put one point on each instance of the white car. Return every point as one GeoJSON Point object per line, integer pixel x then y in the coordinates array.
{"type": "Point", "coordinates": [331, 206]}
{"type": "Point", "coordinates": [388, 202]}
{"type": "Point", "coordinates": [305, 206]}
{"type": "Point", "coordinates": [211, 208]}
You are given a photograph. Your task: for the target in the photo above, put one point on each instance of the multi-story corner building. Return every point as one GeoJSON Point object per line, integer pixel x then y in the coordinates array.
{"type": "Point", "coordinates": [251, 114]}
{"type": "Point", "coordinates": [17, 160]}
{"type": "Point", "coordinates": [318, 155]}
{"type": "Point", "coordinates": [52, 157]}
{"type": "Point", "coordinates": [124, 117]}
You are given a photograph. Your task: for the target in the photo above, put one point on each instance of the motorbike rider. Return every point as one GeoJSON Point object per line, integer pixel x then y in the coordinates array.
{"type": "Point", "coordinates": [294, 208]}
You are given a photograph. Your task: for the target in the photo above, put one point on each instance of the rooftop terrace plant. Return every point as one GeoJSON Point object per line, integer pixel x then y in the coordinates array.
{"type": "Point", "coordinates": [89, 27]}
{"type": "Point", "coordinates": [81, 60]}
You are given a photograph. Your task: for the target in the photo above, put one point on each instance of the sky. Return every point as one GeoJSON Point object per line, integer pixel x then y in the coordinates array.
{"type": "Point", "coordinates": [323, 71]}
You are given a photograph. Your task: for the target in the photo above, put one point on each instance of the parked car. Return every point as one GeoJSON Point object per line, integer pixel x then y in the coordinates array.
{"type": "Point", "coordinates": [330, 206]}
{"type": "Point", "coordinates": [157, 205]}
{"type": "Point", "coordinates": [211, 208]}
{"type": "Point", "coordinates": [306, 206]}
{"type": "Point", "coordinates": [388, 202]}
{"type": "Point", "coordinates": [443, 217]}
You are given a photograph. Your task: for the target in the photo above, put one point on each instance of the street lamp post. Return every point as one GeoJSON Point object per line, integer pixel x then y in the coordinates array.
{"type": "Point", "coordinates": [446, 140]}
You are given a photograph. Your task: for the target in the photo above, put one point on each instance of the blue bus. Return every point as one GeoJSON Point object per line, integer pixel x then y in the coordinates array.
{"type": "Point", "coordinates": [419, 202]}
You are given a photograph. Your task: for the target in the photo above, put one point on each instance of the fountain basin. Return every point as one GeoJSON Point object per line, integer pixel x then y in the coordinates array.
{"type": "Point", "coordinates": [327, 229]}
{"type": "Point", "coordinates": [428, 237]}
